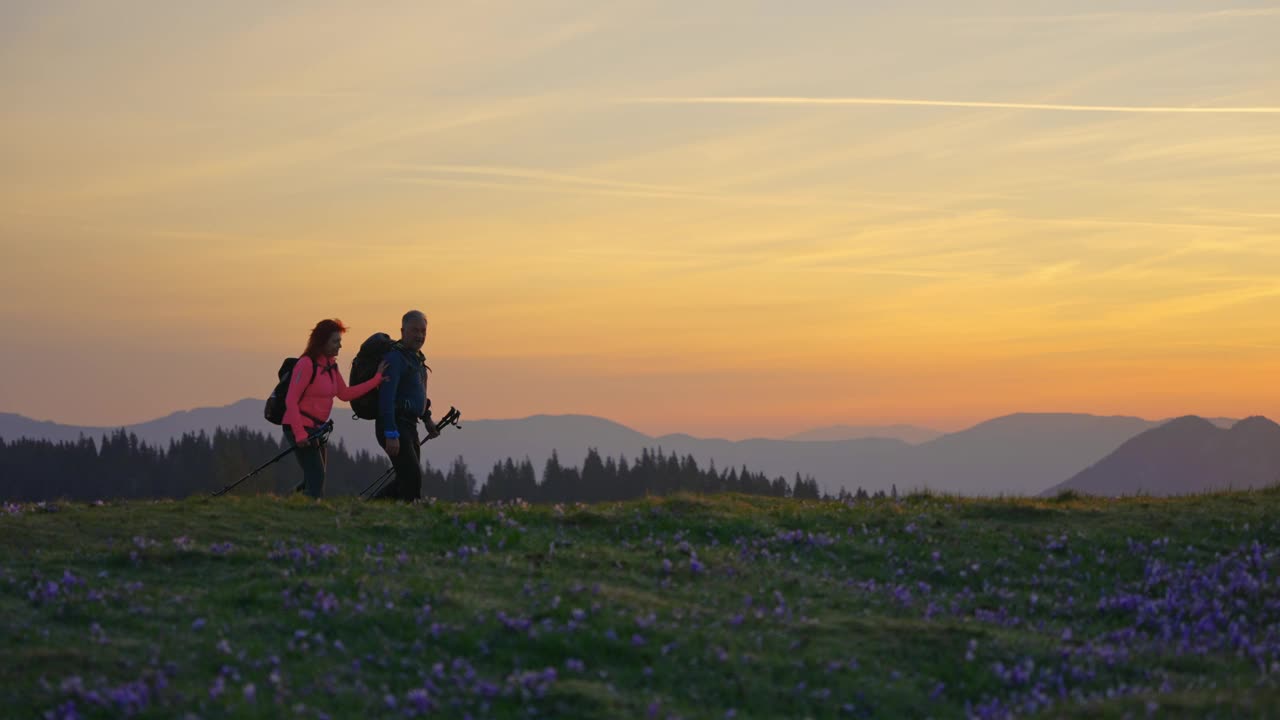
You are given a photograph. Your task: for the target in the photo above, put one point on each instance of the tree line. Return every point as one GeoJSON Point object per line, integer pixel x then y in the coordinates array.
{"type": "Point", "coordinates": [121, 466]}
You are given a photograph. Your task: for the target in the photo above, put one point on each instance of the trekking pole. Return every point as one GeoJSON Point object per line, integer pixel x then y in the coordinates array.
{"type": "Point", "coordinates": [380, 482]}
{"type": "Point", "coordinates": [450, 418]}
{"type": "Point", "coordinates": [317, 434]}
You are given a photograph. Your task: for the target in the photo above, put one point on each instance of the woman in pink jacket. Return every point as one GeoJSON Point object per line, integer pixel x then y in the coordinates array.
{"type": "Point", "coordinates": [315, 382]}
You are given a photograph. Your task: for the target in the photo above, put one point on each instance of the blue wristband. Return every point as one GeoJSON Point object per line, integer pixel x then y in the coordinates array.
{"type": "Point", "coordinates": [392, 434]}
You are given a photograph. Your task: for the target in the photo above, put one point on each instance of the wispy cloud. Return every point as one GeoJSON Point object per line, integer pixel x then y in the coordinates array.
{"type": "Point", "coordinates": [1122, 223]}
{"type": "Point", "coordinates": [979, 104]}
{"type": "Point", "coordinates": [292, 94]}
{"type": "Point", "coordinates": [497, 177]}
{"type": "Point", "coordinates": [1203, 303]}
{"type": "Point", "coordinates": [538, 188]}
{"type": "Point", "coordinates": [190, 166]}
{"type": "Point", "coordinates": [1187, 17]}
{"type": "Point", "coordinates": [520, 173]}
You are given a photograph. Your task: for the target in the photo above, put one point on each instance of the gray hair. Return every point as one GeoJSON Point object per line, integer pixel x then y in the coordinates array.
{"type": "Point", "coordinates": [412, 315]}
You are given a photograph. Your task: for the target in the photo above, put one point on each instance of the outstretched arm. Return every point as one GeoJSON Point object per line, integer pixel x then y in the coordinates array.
{"type": "Point", "coordinates": [347, 394]}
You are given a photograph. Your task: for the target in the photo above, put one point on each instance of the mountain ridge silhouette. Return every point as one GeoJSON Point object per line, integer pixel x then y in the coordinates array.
{"type": "Point", "coordinates": [1188, 454]}
{"type": "Point", "coordinates": [1015, 454]}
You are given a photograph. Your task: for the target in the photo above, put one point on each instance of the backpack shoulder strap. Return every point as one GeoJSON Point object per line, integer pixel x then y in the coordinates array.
{"type": "Point", "coordinates": [315, 367]}
{"type": "Point", "coordinates": [415, 356]}
{"type": "Point", "coordinates": [404, 352]}
{"type": "Point", "coordinates": [415, 359]}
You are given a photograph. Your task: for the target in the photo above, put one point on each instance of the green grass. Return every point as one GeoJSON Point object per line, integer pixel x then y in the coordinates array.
{"type": "Point", "coordinates": [142, 600]}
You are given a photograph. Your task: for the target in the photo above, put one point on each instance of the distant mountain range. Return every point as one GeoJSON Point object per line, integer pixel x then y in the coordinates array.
{"type": "Point", "coordinates": [906, 433]}
{"type": "Point", "coordinates": [1186, 455]}
{"type": "Point", "coordinates": [1020, 454]}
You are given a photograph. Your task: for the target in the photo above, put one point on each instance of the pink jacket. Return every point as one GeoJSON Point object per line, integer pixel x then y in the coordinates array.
{"type": "Point", "coordinates": [310, 405]}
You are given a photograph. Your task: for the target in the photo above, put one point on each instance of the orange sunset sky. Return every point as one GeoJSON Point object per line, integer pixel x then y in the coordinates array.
{"type": "Point", "coordinates": [730, 218]}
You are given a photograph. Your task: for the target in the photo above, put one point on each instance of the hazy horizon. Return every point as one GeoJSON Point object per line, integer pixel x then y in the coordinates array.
{"type": "Point", "coordinates": [726, 219]}
{"type": "Point", "coordinates": [777, 433]}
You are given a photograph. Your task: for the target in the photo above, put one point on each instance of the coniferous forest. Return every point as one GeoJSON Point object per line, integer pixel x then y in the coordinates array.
{"type": "Point", "coordinates": [119, 466]}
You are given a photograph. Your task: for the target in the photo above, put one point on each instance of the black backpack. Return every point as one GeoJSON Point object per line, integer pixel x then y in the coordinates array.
{"type": "Point", "coordinates": [274, 410]}
{"type": "Point", "coordinates": [363, 367]}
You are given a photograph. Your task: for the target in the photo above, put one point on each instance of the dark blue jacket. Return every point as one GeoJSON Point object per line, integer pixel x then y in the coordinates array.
{"type": "Point", "coordinates": [404, 396]}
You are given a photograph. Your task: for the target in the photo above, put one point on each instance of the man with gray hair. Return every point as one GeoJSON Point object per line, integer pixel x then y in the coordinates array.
{"type": "Point", "coordinates": [402, 401]}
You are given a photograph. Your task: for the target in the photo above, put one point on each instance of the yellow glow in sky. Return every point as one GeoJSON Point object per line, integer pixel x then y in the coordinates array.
{"type": "Point", "coordinates": [721, 218]}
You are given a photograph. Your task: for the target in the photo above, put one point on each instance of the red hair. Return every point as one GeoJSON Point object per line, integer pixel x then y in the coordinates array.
{"type": "Point", "coordinates": [320, 335]}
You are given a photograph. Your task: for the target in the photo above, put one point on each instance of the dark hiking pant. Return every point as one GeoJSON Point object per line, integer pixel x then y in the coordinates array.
{"type": "Point", "coordinates": [312, 460]}
{"type": "Point", "coordinates": [407, 484]}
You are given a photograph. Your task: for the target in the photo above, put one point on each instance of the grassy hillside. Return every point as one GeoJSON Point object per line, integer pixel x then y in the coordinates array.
{"type": "Point", "coordinates": [693, 607]}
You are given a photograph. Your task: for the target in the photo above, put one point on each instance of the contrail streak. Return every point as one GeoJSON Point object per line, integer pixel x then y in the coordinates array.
{"type": "Point", "coordinates": [904, 102]}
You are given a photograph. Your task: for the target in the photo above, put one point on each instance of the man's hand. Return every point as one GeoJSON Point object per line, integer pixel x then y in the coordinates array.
{"type": "Point", "coordinates": [432, 432]}
{"type": "Point", "coordinates": [393, 446]}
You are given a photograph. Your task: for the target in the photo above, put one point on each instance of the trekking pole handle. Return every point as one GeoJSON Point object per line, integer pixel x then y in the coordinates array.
{"type": "Point", "coordinates": [321, 432]}
{"type": "Point", "coordinates": [450, 418]}
{"type": "Point", "coordinates": [324, 429]}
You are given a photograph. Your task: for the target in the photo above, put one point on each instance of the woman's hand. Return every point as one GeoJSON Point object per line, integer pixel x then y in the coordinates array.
{"type": "Point", "coordinates": [382, 370]}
